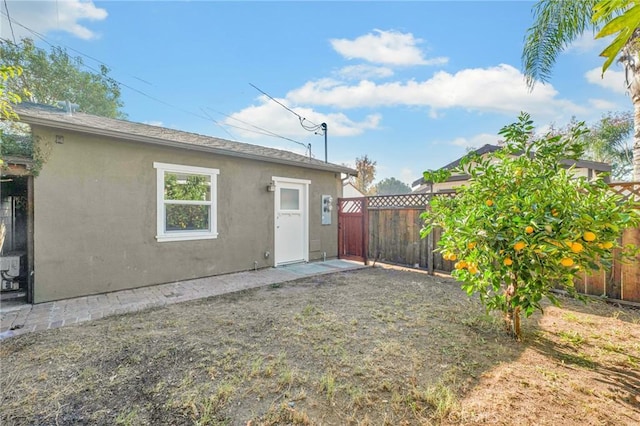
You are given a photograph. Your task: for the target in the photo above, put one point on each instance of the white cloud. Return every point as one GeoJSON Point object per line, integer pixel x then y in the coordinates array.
{"type": "Point", "coordinates": [46, 16]}
{"type": "Point", "coordinates": [603, 105]}
{"type": "Point", "coordinates": [499, 89]}
{"type": "Point", "coordinates": [385, 47]}
{"type": "Point", "coordinates": [587, 43]}
{"type": "Point", "coordinates": [475, 141]}
{"type": "Point", "coordinates": [271, 116]}
{"type": "Point", "coordinates": [612, 80]}
{"type": "Point", "coordinates": [543, 129]}
{"type": "Point", "coordinates": [360, 72]}
{"type": "Point", "coordinates": [407, 175]}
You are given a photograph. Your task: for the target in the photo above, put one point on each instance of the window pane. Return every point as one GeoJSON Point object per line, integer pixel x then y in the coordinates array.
{"type": "Point", "coordinates": [182, 186]}
{"type": "Point", "coordinates": [186, 218]}
{"type": "Point", "coordinates": [289, 199]}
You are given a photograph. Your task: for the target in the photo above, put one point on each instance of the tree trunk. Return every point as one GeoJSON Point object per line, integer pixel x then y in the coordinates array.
{"type": "Point", "coordinates": [631, 60]}
{"type": "Point", "coordinates": [512, 322]}
{"type": "Point", "coordinates": [634, 90]}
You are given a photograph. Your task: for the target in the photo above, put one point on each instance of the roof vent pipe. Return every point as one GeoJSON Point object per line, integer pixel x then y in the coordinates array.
{"type": "Point", "coordinates": [68, 107]}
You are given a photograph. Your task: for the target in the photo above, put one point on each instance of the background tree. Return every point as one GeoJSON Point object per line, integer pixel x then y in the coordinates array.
{"type": "Point", "coordinates": [558, 23]}
{"type": "Point", "coordinates": [55, 76]}
{"type": "Point", "coordinates": [391, 186]}
{"type": "Point", "coordinates": [523, 225]}
{"type": "Point", "coordinates": [8, 143]}
{"type": "Point", "coordinates": [609, 141]}
{"type": "Point", "coordinates": [192, 188]}
{"type": "Point", "coordinates": [366, 174]}
{"type": "Point", "coordinates": [7, 97]}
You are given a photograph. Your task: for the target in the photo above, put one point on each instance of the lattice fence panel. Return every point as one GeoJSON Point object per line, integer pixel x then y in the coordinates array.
{"type": "Point", "coordinates": [627, 189]}
{"type": "Point", "coordinates": [399, 201]}
{"type": "Point", "coordinates": [351, 205]}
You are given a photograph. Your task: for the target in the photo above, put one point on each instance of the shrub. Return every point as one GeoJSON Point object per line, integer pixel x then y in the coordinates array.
{"type": "Point", "coordinates": [524, 224]}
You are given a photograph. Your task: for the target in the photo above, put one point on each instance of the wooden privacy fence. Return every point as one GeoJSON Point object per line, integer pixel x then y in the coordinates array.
{"type": "Point", "coordinates": [391, 224]}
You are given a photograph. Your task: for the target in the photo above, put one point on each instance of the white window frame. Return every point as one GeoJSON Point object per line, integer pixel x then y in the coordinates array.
{"type": "Point", "coordinates": [211, 233]}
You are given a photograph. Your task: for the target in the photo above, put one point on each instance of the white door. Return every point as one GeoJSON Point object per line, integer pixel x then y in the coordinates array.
{"type": "Point", "coordinates": [292, 222]}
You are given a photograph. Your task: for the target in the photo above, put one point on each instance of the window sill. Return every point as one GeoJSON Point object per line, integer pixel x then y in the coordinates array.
{"type": "Point", "coordinates": [185, 237]}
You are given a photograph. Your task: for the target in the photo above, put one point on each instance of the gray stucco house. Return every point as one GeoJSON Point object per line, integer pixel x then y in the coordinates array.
{"type": "Point", "coordinates": [120, 205]}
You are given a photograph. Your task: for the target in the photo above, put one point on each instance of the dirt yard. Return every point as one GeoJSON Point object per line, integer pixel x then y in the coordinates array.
{"type": "Point", "coordinates": [369, 347]}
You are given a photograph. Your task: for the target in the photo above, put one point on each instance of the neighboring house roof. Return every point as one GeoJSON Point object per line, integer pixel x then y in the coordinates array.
{"type": "Point", "coordinates": [488, 148]}
{"type": "Point", "coordinates": [52, 117]}
{"type": "Point", "coordinates": [350, 190]}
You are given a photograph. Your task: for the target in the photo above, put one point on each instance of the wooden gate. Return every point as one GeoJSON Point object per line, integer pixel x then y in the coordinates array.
{"type": "Point", "coordinates": [352, 229]}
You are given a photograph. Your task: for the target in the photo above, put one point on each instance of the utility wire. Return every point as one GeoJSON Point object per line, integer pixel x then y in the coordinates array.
{"type": "Point", "coordinates": [264, 132]}
{"type": "Point", "coordinates": [9, 19]}
{"type": "Point", "coordinates": [313, 128]}
{"type": "Point", "coordinates": [218, 124]}
{"type": "Point", "coordinates": [44, 39]}
{"type": "Point", "coordinates": [268, 132]}
{"type": "Point", "coordinates": [302, 119]}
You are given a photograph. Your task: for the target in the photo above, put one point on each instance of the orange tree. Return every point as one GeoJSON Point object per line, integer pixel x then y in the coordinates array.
{"type": "Point", "coordinates": [525, 224]}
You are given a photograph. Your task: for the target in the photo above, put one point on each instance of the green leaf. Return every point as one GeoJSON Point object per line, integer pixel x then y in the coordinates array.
{"type": "Point", "coordinates": [624, 25]}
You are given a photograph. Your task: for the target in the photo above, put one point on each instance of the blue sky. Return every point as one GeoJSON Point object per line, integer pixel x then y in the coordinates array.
{"type": "Point", "coordinates": [410, 84]}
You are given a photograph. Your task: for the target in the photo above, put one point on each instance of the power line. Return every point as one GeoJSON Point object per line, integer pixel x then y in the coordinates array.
{"type": "Point", "coordinates": [44, 39]}
{"type": "Point", "coordinates": [268, 132]}
{"type": "Point", "coordinates": [273, 135]}
{"type": "Point", "coordinates": [314, 128]}
{"type": "Point", "coordinates": [278, 102]}
{"type": "Point", "coordinates": [264, 132]}
{"type": "Point", "coordinates": [218, 124]}
{"type": "Point", "coordinates": [9, 19]}
{"type": "Point", "coordinates": [301, 118]}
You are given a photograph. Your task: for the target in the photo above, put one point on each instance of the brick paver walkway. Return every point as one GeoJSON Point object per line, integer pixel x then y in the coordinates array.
{"type": "Point", "coordinates": [43, 316]}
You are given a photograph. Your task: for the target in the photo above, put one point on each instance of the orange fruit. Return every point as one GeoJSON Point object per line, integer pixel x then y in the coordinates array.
{"type": "Point", "coordinates": [471, 245]}
{"type": "Point", "coordinates": [554, 212]}
{"type": "Point", "coordinates": [508, 262]}
{"type": "Point", "coordinates": [461, 264]}
{"type": "Point", "coordinates": [529, 229]}
{"type": "Point", "coordinates": [472, 269]}
{"type": "Point", "coordinates": [607, 245]}
{"type": "Point", "coordinates": [489, 202]}
{"type": "Point", "coordinates": [519, 245]}
{"type": "Point", "coordinates": [577, 247]}
{"type": "Point", "coordinates": [448, 256]}
{"type": "Point", "coordinates": [566, 261]}
{"type": "Point", "coordinates": [589, 236]}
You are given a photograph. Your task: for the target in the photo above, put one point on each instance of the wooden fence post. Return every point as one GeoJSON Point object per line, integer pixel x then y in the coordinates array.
{"type": "Point", "coordinates": [430, 257]}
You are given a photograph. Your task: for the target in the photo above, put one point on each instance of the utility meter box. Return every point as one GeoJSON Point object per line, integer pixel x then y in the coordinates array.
{"type": "Point", "coordinates": [327, 208]}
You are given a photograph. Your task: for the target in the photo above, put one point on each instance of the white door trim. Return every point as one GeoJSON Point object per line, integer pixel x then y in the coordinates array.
{"type": "Point", "coordinates": [304, 201]}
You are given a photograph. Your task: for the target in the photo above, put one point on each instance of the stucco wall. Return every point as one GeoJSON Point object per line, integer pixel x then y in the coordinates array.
{"type": "Point", "coordinates": [95, 217]}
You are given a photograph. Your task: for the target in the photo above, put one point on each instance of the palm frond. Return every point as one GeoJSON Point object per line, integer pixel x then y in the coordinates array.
{"type": "Point", "coordinates": [557, 23]}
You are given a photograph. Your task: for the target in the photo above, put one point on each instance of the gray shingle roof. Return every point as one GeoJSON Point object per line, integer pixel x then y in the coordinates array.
{"type": "Point", "coordinates": [52, 117]}
{"type": "Point", "coordinates": [487, 148]}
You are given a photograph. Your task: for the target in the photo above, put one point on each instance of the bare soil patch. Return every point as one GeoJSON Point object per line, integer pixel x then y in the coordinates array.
{"type": "Point", "coordinates": [369, 347]}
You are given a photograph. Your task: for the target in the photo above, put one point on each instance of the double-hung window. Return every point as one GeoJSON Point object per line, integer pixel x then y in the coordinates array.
{"type": "Point", "coordinates": [187, 202]}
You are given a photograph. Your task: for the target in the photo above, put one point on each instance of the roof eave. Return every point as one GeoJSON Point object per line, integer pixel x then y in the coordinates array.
{"type": "Point", "coordinates": [33, 120]}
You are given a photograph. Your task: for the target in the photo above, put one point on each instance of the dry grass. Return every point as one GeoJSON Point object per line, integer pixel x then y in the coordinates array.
{"type": "Point", "coordinates": [370, 347]}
